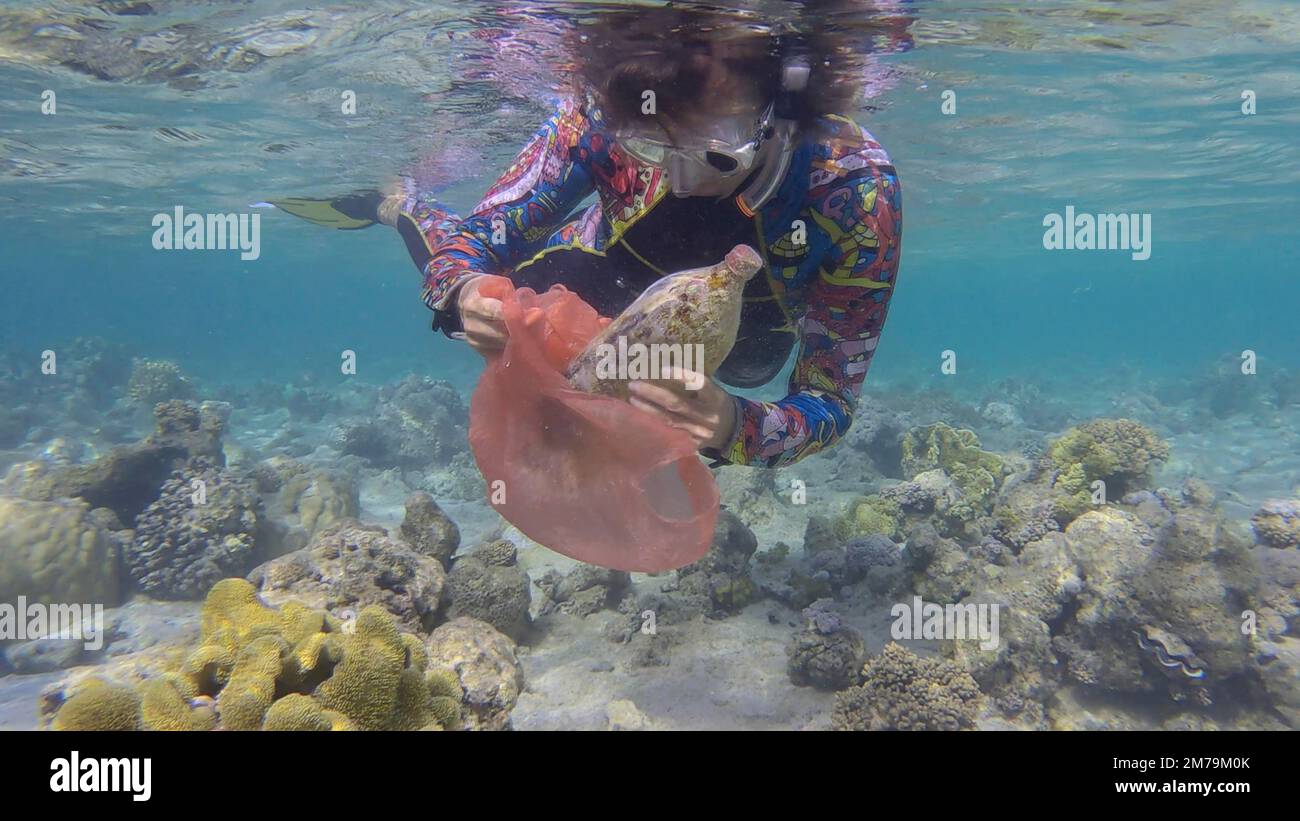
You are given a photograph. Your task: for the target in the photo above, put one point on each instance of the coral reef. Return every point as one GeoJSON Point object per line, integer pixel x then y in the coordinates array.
{"type": "Point", "coordinates": [869, 516]}
{"type": "Point", "coordinates": [128, 478]}
{"type": "Point", "coordinates": [313, 500]}
{"type": "Point", "coordinates": [418, 423]}
{"type": "Point", "coordinates": [1119, 452]}
{"type": "Point", "coordinates": [202, 528]}
{"type": "Point", "coordinates": [584, 590]}
{"type": "Point", "coordinates": [98, 369]}
{"type": "Point", "coordinates": [902, 691]}
{"type": "Point", "coordinates": [100, 705]}
{"type": "Point", "coordinates": [294, 668]}
{"type": "Point", "coordinates": [349, 566]}
{"type": "Point", "coordinates": [56, 552]}
{"type": "Point", "coordinates": [1277, 523]}
{"type": "Point", "coordinates": [487, 584]}
{"type": "Point", "coordinates": [485, 665]}
{"type": "Point", "coordinates": [826, 653]}
{"type": "Point", "coordinates": [826, 571]}
{"type": "Point", "coordinates": [720, 583]}
{"type": "Point", "coordinates": [1278, 663]}
{"type": "Point", "coordinates": [157, 380]}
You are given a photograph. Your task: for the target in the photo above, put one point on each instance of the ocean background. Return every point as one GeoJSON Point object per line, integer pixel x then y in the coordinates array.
{"type": "Point", "coordinates": [1131, 107]}
{"type": "Point", "coordinates": [1134, 110]}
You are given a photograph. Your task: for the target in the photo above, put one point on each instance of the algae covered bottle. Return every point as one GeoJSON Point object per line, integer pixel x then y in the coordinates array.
{"type": "Point", "coordinates": [688, 319]}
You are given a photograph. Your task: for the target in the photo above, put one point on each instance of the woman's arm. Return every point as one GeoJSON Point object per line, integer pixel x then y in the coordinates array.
{"type": "Point", "coordinates": [861, 216]}
{"type": "Point", "coordinates": [529, 202]}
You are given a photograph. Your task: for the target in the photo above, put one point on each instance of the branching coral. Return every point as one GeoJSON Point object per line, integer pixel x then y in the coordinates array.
{"type": "Point", "coordinates": [202, 528]}
{"type": "Point", "coordinates": [157, 380]}
{"type": "Point", "coordinates": [1277, 523]}
{"type": "Point", "coordinates": [902, 691]}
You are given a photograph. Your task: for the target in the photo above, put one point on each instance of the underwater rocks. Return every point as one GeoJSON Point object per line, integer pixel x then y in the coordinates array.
{"type": "Point", "coordinates": [419, 423]}
{"type": "Point", "coordinates": [203, 527]}
{"type": "Point", "coordinates": [826, 567]}
{"type": "Point", "coordinates": [127, 479]}
{"type": "Point", "coordinates": [56, 552]}
{"type": "Point", "coordinates": [1160, 607]}
{"type": "Point", "coordinates": [257, 667]}
{"type": "Point", "coordinates": [99, 369]}
{"type": "Point", "coordinates": [485, 664]}
{"type": "Point", "coordinates": [902, 691]}
{"type": "Point", "coordinates": [487, 584]}
{"type": "Point", "coordinates": [306, 500]}
{"type": "Point", "coordinates": [349, 566]}
{"type": "Point", "coordinates": [1143, 595]}
{"type": "Point", "coordinates": [428, 530]}
{"type": "Point", "coordinates": [720, 583]}
{"type": "Point", "coordinates": [1278, 663]}
{"type": "Point", "coordinates": [309, 403]}
{"type": "Point", "coordinates": [585, 590]}
{"type": "Point", "coordinates": [826, 653]}
{"type": "Point", "coordinates": [1277, 523]}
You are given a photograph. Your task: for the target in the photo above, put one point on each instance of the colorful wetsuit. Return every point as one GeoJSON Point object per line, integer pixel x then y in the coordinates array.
{"type": "Point", "coordinates": [830, 238]}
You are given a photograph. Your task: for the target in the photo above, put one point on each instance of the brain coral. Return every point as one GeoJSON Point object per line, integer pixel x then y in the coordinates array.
{"type": "Point", "coordinates": [288, 669]}
{"type": "Point", "coordinates": [54, 551]}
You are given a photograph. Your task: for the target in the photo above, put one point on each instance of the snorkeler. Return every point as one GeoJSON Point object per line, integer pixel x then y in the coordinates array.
{"type": "Point", "coordinates": [695, 138]}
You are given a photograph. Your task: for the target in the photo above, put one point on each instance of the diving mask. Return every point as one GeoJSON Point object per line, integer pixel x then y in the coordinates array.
{"type": "Point", "coordinates": [701, 164]}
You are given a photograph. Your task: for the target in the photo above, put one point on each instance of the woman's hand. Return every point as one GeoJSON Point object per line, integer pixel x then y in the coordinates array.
{"type": "Point", "coordinates": [706, 414]}
{"type": "Point", "coordinates": [480, 318]}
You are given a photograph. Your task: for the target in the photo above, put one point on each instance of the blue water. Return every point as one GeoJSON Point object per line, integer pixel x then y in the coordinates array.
{"type": "Point", "coordinates": [1132, 108]}
{"type": "Point", "coordinates": [1045, 118]}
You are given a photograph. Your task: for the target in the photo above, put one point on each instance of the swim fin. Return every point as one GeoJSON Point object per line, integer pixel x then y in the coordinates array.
{"type": "Point", "coordinates": [347, 213]}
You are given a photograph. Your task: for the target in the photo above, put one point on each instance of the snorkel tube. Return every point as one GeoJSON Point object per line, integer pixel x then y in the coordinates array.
{"type": "Point", "coordinates": [794, 79]}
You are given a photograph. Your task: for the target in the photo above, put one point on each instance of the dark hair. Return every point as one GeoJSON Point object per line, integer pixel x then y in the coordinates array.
{"type": "Point", "coordinates": [674, 52]}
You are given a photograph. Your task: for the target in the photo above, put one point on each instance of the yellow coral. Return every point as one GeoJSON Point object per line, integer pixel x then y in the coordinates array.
{"type": "Point", "coordinates": [251, 690]}
{"type": "Point", "coordinates": [297, 712]}
{"type": "Point", "coordinates": [1112, 450]}
{"type": "Point", "coordinates": [164, 707]}
{"type": "Point", "coordinates": [869, 515]}
{"type": "Point", "coordinates": [233, 615]}
{"type": "Point", "coordinates": [99, 705]}
{"type": "Point", "coordinates": [364, 685]}
{"type": "Point", "coordinates": [208, 668]}
{"type": "Point", "coordinates": [260, 663]}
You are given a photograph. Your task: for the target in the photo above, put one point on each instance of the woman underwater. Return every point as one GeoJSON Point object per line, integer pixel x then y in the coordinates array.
{"type": "Point", "coordinates": [696, 135]}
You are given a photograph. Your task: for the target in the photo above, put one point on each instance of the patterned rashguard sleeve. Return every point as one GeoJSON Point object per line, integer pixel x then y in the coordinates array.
{"type": "Point", "coordinates": [862, 218]}
{"type": "Point", "coordinates": [529, 201]}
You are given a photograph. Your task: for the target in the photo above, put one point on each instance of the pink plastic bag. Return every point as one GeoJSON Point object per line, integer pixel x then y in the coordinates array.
{"type": "Point", "coordinates": [587, 476]}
